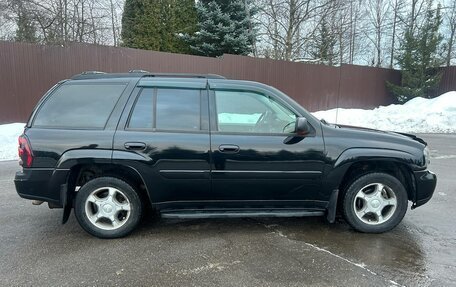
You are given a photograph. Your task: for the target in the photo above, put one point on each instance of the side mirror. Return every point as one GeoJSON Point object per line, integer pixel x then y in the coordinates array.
{"type": "Point", "coordinates": [302, 126]}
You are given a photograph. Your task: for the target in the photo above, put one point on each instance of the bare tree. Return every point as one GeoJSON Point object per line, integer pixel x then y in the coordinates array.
{"type": "Point", "coordinates": [450, 19]}
{"type": "Point", "coordinates": [396, 6]}
{"type": "Point", "coordinates": [377, 12]}
{"type": "Point", "coordinates": [3, 18]}
{"type": "Point", "coordinates": [414, 12]}
{"type": "Point", "coordinates": [343, 29]}
{"type": "Point", "coordinates": [285, 26]}
{"type": "Point", "coordinates": [358, 31]}
{"type": "Point", "coordinates": [355, 8]}
{"type": "Point", "coordinates": [346, 25]}
{"type": "Point", "coordinates": [113, 21]}
{"type": "Point", "coordinates": [63, 21]}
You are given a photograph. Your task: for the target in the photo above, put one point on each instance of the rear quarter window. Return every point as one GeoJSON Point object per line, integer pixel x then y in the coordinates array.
{"type": "Point", "coordinates": [79, 106]}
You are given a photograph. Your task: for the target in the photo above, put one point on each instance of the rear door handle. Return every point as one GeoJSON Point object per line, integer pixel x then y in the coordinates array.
{"type": "Point", "coordinates": [229, 148]}
{"type": "Point", "coordinates": [135, 145]}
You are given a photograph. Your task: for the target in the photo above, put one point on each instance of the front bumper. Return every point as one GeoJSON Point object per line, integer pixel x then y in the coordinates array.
{"type": "Point", "coordinates": [41, 184]}
{"type": "Point", "coordinates": [425, 182]}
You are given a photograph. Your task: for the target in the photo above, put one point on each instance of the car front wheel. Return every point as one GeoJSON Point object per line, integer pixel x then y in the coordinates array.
{"type": "Point", "coordinates": [375, 203]}
{"type": "Point", "coordinates": [107, 207]}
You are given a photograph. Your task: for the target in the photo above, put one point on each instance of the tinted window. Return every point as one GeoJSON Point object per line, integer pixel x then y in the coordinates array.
{"type": "Point", "coordinates": [79, 106]}
{"type": "Point", "coordinates": [239, 111]}
{"type": "Point", "coordinates": [142, 115]}
{"type": "Point", "coordinates": [178, 109]}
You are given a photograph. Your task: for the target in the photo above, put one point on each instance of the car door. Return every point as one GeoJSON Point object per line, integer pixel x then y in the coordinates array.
{"type": "Point", "coordinates": [164, 134]}
{"type": "Point", "coordinates": [256, 156]}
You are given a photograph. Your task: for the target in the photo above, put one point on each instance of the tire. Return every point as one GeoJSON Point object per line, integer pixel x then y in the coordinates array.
{"type": "Point", "coordinates": [375, 203]}
{"type": "Point", "coordinates": [107, 207]}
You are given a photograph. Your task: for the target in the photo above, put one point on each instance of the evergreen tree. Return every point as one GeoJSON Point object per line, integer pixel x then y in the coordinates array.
{"type": "Point", "coordinates": [324, 44]}
{"type": "Point", "coordinates": [419, 59]}
{"type": "Point", "coordinates": [26, 30]}
{"type": "Point", "coordinates": [223, 27]}
{"type": "Point", "coordinates": [158, 24]}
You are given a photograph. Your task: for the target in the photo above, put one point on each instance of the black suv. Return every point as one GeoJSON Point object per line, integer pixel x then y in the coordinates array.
{"type": "Point", "coordinates": [200, 146]}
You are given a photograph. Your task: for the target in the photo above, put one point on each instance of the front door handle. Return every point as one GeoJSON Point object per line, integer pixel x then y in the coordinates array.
{"type": "Point", "coordinates": [135, 145]}
{"type": "Point", "coordinates": [229, 148]}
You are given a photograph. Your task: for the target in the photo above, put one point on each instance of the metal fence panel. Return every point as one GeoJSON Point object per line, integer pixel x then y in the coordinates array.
{"type": "Point", "coordinates": [27, 71]}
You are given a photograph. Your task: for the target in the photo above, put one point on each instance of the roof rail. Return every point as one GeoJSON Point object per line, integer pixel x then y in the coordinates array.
{"type": "Point", "coordinates": [139, 71]}
{"type": "Point", "coordinates": [92, 72]}
{"type": "Point", "coordinates": [185, 75]}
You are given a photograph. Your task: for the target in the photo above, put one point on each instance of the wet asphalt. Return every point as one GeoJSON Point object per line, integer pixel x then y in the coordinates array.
{"type": "Point", "coordinates": [36, 250]}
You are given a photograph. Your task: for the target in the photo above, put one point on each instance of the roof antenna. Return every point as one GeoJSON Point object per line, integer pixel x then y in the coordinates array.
{"type": "Point", "coordinates": [338, 92]}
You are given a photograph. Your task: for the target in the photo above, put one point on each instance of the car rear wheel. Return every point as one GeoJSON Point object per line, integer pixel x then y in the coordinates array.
{"type": "Point", "coordinates": [108, 207]}
{"type": "Point", "coordinates": [375, 203]}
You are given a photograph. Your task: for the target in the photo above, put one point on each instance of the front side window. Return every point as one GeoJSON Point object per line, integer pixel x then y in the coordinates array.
{"type": "Point", "coordinates": [243, 111]}
{"type": "Point", "coordinates": [79, 106]}
{"type": "Point", "coordinates": [172, 109]}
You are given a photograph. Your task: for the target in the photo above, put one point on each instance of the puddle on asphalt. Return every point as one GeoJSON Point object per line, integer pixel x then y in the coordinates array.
{"type": "Point", "coordinates": [396, 255]}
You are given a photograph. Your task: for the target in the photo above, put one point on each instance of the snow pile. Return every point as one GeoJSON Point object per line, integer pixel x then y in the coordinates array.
{"type": "Point", "coordinates": [419, 115]}
{"type": "Point", "coordinates": [8, 140]}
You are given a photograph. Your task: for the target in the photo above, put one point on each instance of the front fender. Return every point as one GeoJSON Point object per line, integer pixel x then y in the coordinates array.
{"type": "Point", "coordinates": [335, 173]}
{"type": "Point", "coordinates": [378, 154]}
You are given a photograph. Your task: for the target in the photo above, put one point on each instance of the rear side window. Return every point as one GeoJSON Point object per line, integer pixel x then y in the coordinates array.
{"type": "Point", "coordinates": [167, 109]}
{"type": "Point", "coordinates": [178, 109]}
{"type": "Point", "coordinates": [79, 106]}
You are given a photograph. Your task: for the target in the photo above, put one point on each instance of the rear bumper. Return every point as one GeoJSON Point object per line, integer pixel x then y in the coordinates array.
{"type": "Point", "coordinates": [41, 184]}
{"type": "Point", "coordinates": [425, 185]}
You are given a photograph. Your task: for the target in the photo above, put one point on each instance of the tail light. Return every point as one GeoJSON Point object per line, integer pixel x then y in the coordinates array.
{"type": "Point", "coordinates": [25, 152]}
